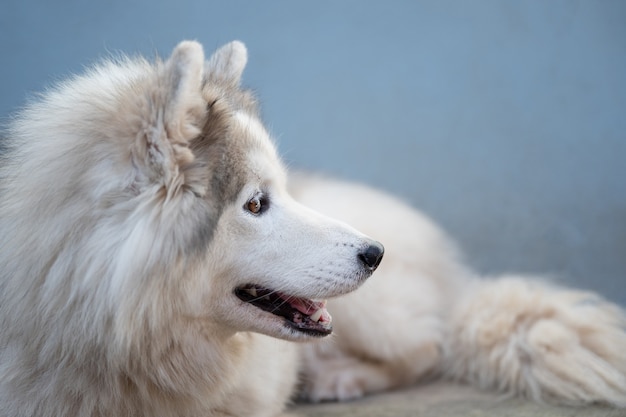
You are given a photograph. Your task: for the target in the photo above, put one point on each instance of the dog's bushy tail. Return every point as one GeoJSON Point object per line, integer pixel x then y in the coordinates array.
{"type": "Point", "coordinates": [549, 344]}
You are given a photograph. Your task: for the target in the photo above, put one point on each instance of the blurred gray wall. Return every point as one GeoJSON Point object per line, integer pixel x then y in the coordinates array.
{"type": "Point", "coordinates": [503, 120]}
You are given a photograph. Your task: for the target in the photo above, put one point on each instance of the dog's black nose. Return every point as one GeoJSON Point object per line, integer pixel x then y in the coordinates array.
{"type": "Point", "coordinates": [372, 255]}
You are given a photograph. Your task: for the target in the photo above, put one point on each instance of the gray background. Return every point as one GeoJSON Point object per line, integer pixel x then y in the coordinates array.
{"type": "Point", "coordinates": [503, 120]}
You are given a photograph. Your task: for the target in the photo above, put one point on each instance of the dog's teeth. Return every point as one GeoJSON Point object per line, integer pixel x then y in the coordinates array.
{"type": "Point", "coordinates": [317, 315]}
{"type": "Point", "coordinates": [251, 291]}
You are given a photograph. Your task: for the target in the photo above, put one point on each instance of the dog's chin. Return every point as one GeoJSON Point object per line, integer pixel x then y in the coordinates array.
{"type": "Point", "coordinates": [280, 315]}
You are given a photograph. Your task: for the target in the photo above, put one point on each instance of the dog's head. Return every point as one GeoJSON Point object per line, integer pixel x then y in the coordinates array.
{"type": "Point", "coordinates": [274, 260]}
{"type": "Point", "coordinates": [165, 198]}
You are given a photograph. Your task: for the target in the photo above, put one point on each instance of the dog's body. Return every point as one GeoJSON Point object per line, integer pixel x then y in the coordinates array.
{"type": "Point", "coordinates": [424, 314]}
{"type": "Point", "coordinates": [152, 260]}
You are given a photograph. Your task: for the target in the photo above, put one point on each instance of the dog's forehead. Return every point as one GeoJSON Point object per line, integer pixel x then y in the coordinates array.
{"type": "Point", "coordinates": [243, 153]}
{"type": "Point", "coordinates": [258, 148]}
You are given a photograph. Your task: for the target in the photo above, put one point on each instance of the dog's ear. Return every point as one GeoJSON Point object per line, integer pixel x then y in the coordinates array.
{"type": "Point", "coordinates": [182, 80]}
{"type": "Point", "coordinates": [173, 115]}
{"type": "Point", "coordinates": [227, 63]}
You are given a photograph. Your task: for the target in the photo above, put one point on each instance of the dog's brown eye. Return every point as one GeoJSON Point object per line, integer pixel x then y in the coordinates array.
{"type": "Point", "coordinates": [254, 205]}
{"type": "Point", "coordinates": [258, 204]}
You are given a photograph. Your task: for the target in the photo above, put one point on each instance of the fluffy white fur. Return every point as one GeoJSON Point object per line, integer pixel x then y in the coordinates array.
{"type": "Point", "coordinates": [425, 315]}
{"type": "Point", "coordinates": [123, 199]}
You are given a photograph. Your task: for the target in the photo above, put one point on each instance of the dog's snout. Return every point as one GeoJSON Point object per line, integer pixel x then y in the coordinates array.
{"type": "Point", "coordinates": [372, 255]}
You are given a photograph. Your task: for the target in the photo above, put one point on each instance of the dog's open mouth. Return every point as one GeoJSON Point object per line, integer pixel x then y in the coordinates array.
{"type": "Point", "coordinates": [304, 315]}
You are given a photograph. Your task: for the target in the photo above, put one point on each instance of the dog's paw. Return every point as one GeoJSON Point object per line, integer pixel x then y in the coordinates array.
{"type": "Point", "coordinates": [337, 379]}
{"type": "Point", "coordinates": [336, 386]}
{"type": "Point", "coordinates": [330, 374]}
{"type": "Point", "coordinates": [545, 343]}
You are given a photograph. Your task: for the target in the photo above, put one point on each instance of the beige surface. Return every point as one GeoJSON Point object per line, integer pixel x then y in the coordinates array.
{"type": "Point", "coordinates": [445, 400]}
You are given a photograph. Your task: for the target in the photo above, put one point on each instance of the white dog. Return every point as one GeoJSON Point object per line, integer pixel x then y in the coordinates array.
{"type": "Point", "coordinates": [153, 263]}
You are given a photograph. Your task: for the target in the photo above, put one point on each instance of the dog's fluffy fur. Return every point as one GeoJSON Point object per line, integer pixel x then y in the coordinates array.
{"type": "Point", "coordinates": [141, 202]}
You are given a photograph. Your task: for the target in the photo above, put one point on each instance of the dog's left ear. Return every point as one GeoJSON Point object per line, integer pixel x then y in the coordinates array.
{"type": "Point", "coordinates": [173, 116]}
{"type": "Point", "coordinates": [182, 79]}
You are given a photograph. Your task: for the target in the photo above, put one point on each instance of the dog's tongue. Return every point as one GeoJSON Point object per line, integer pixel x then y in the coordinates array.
{"type": "Point", "coordinates": [314, 309]}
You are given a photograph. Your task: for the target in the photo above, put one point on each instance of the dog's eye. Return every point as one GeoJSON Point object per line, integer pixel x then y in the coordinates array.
{"type": "Point", "coordinates": [254, 205]}
{"type": "Point", "coordinates": [257, 204]}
